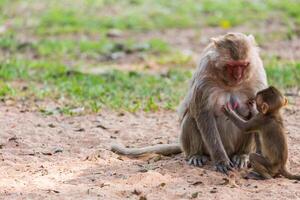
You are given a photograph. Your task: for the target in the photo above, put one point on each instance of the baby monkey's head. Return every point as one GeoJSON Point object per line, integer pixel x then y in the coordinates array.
{"type": "Point", "coordinates": [270, 100]}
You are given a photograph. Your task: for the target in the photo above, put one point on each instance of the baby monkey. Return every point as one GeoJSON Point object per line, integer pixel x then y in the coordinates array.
{"type": "Point", "coordinates": [268, 123]}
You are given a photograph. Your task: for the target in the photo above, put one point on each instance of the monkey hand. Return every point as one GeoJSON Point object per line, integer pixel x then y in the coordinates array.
{"type": "Point", "coordinates": [227, 109]}
{"type": "Point", "coordinates": [224, 166]}
{"type": "Point", "coordinates": [250, 103]}
{"type": "Point", "coordinates": [251, 106]}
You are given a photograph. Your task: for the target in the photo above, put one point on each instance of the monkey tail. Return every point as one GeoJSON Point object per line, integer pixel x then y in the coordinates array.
{"type": "Point", "coordinates": [163, 149]}
{"type": "Point", "coordinates": [288, 175]}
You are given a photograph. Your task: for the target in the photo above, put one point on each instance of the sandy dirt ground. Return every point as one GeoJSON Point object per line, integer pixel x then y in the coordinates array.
{"type": "Point", "coordinates": [60, 157]}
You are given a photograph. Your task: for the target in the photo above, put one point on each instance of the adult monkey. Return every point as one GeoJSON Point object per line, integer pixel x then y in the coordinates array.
{"type": "Point", "coordinates": [230, 69]}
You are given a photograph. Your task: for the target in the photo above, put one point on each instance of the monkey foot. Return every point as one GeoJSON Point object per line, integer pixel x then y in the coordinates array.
{"type": "Point", "coordinates": [224, 166]}
{"type": "Point", "coordinates": [240, 161]}
{"type": "Point", "coordinates": [198, 160]}
{"type": "Point", "coordinates": [255, 176]}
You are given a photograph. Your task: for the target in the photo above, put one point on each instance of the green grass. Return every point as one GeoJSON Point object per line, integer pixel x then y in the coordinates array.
{"type": "Point", "coordinates": [48, 45]}
{"type": "Point", "coordinates": [97, 16]}
{"type": "Point", "coordinates": [114, 89]}
{"type": "Point", "coordinates": [284, 75]}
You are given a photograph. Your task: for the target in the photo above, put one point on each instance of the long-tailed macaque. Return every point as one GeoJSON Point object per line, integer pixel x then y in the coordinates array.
{"type": "Point", "coordinates": [230, 69]}
{"type": "Point", "coordinates": [269, 125]}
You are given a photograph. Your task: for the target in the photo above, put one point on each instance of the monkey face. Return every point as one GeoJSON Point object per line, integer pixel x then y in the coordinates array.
{"type": "Point", "coordinates": [270, 100]}
{"type": "Point", "coordinates": [236, 70]}
{"type": "Point", "coordinates": [234, 52]}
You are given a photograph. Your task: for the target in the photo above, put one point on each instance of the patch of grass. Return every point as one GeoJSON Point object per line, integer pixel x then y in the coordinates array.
{"type": "Point", "coordinates": [98, 16]}
{"type": "Point", "coordinates": [115, 89]}
{"type": "Point", "coordinates": [62, 49]}
{"type": "Point", "coordinates": [231, 12]}
{"type": "Point", "coordinates": [175, 58]}
{"type": "Point", "coordinates": [284, 75]}
{"type": "Point", "coordinates": [6, 90]}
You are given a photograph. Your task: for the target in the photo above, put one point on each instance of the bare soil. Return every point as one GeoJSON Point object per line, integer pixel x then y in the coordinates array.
{"type": "Point", "coordinates": [61, 157]}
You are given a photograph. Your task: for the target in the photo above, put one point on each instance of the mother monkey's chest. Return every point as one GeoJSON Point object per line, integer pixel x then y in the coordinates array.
{"type": "Point", "coordinates": [238, 101]}
{"type": "Point", "coordinates": [228, 131]}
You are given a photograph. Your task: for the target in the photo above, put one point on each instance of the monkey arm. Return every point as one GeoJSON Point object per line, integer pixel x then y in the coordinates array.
{"type": "Point", "coordinates": [208, 129]}
{"type": "Point", "coordinates": [206, 123]}
{"type": "Point", "coordinates": [246, 126]}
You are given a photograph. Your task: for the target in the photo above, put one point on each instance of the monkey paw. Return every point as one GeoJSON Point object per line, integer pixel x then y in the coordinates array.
{"type": "Point", "coordinates": [256, 176]}
{"type": "Point", "coordinates": [240, 161]}
{"type": "Point", "coordinates": [224, 166]}
{"type": "Point", "coordinates": [198, 160]}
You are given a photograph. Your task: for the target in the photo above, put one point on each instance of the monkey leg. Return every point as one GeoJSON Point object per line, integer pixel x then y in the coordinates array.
{"type": "Point", "coordinates": [192, 143]}
{"type": "Point", "coordinates": [257, 143]}
{"type": "Point", "coordinates": [260, 165]}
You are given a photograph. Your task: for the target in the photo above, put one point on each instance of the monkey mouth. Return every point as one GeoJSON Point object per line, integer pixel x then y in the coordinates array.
{"type": "Point", "coordinates": [237, 77]}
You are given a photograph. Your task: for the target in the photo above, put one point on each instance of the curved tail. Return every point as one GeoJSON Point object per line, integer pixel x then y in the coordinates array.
{"type": "Point", "coordinates": [163, 149]}
{"type": "Point", "coordinates": [288, 175]}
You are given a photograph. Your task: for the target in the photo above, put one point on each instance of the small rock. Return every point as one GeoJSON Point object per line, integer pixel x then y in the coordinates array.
{"type": "Point", "coordinates": [157, 158]}
{"type": "Point", "coordinates": [194, 195]}
{"type": "Point", "coordinates": [143, 170]}
{"type": "Point", "coordinates": [162, 184]}
{"type": "Point", "coordinates": [47, 153]}
{"type": "Point", "coordinates": [58, 150]}
{"type": "Point", "coordinates": [121, 114]}
{"type": "Point", "coordinates": [120, 158]}
{"type": "Point", "coordinates": [101, 126]}
{"type": "Point", "coordinates": [197, 183]}
{"type": "Point", "coordinates": [24, 88]}
{"type": "Point", "coordinates": [136, 192]}
{"type": "Point", "coordinates": [77, 110]}
{"type": "Point", "coordinates": [51, 125]}
{"type": "Point", "coordinates": [143, 198]}
{"type": "Point", "coordinates": [117, 55]}
{"type": "Point", "coordinates": [80, 130]}
{"type": "Point", "coordinates": [14, 138]}
{"type": "Point", "coordinates": [214, 190]}
{"type": "Point", "coordinates": [55, 191]}
{"type": "Point", "coordinates": [114, 33]}
{"type": "Point", "coordinates": [9, 102]}
{"type": "Point", "coordinates": [140, 47]}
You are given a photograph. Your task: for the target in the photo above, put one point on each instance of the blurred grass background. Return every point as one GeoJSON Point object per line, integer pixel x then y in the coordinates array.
{"type": "Point", "coordinates": [131, 54]}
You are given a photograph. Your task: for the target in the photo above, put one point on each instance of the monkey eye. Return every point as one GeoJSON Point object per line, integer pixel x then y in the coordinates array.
{"type": "Point", "coordinates": [246, 64]}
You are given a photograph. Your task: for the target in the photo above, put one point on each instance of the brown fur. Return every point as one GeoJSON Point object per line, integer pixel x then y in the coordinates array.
{"type": "Point", "coordinates": [205, 131]}
{"type": "Point", "coordinates": [268, 123]}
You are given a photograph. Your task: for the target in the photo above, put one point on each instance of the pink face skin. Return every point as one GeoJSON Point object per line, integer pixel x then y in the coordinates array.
{"type": "Point", "coordinates": [235, 69]}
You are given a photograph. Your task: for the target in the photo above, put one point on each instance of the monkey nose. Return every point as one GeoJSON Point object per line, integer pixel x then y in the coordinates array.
{"type": "Point", "coordinates": [238, 73]}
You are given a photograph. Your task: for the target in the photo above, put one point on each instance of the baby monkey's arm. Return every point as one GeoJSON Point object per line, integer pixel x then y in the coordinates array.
{"type": "Point", "coordinates": [251, 125]}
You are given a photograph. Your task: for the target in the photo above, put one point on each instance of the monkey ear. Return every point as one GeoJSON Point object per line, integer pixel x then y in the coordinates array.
{"type": "Point", "coordinates": [285, 101]}
{"type": "Point", "coordinates": [215, 41]}
{"type": "Point", "coordinates": [252, 39]}
{"type": "Point", "coordinates": [264, 108]}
